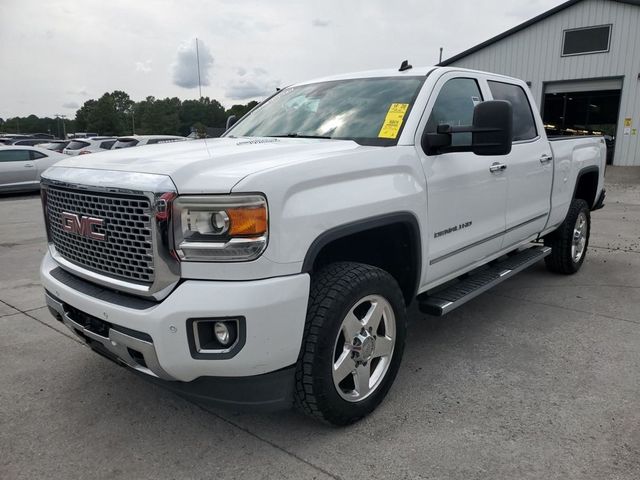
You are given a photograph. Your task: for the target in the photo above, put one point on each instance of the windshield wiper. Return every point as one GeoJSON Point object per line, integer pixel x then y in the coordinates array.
{"type": "Point", "coordinates": [297, 135]}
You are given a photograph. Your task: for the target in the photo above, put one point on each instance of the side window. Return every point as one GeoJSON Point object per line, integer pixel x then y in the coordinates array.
{"type": "Point", "coordinates": [107, 145]}
{"type": "Point", "coordinates": [524, 125]}
{"type": "Point", "coordinates": [454, 106]}
{"type": "Point", "coordinates": [36, 155]}
{"type": "Point", "coordinates": [14, 156]}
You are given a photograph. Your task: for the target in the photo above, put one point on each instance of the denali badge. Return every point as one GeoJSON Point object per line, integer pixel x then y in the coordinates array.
{"type": "Point", "coordinates": [81, 225]}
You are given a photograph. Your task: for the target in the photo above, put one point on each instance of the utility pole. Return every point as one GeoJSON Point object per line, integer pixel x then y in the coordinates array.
{"type": "Point", "coordinates": [198, 62]}
{"type": "Point", "coordinates": [440, 61]}
{"type": "Point", "coordinates": [64, 127]}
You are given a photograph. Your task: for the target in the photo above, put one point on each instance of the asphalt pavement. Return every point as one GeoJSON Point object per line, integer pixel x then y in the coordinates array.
{"type": "Point", "coordinates": [538, 378]}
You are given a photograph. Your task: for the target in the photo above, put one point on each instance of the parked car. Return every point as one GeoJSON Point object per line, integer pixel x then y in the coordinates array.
{"type": "Point", "coordinates": [30, 142]}
{"type": "Point", "coordinates": [82, 135]}
{"type": "Point", "coordinates": [88, 145]}
{"type": "Point", "coordinates": [21, 167]}
{"type": "Point", "coordinates": [55, 145]}
{"type": "Point", "coordinates": [273, 266]}
{"type": "Point", "coordinates": [139, 140]}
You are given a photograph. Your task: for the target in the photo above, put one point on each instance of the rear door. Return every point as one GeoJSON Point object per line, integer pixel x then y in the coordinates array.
{"type": "Point", "coordinates": [17, 169]}
{"type": "Point", "coordinates": [465, 199]}
{"type": "Point", "coordinates": [529, 166]}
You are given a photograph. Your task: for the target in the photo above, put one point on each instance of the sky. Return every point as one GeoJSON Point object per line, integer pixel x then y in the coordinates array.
{"type": "Point", "coordinates": [57, 54]}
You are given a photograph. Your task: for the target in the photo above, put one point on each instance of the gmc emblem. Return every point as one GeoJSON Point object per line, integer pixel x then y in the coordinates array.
{"type": "Point", "coordinates": [83, 226]}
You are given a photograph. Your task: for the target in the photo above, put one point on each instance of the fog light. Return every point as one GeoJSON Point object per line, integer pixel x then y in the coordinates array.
{"type": "Point", "coordinates": [222, 333]}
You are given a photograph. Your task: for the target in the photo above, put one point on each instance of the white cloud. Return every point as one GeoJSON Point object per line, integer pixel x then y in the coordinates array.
{"type": "Point", "coordinates": [185, 66]}
{"type": "Point", "coordinates": [251, 85]}
{"type": "Point", "coordinates": [144, 66]}
{"type": "Point", "coordinates": [71, 105]}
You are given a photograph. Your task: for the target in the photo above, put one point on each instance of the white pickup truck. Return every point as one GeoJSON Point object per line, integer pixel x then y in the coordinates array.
{"type": "Point", "coordinates": [273, 267]}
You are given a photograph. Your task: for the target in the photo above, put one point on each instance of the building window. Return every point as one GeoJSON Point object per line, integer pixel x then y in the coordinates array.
{"type": "Point", "coordinates": [580, 41]}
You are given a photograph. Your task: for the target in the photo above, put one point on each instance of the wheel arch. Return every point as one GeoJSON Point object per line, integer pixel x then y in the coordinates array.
{"type": "Point", "coordinates": [391, 241]}
{"type": "Point", "coordinates": [586, 186]}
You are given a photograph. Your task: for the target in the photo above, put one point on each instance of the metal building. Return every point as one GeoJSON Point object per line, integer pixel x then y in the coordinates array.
{"type": "Point", "coordinates": [582, 62]}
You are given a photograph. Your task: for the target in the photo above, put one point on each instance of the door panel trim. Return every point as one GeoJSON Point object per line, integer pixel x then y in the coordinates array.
{"type": "Point", "coordinates": [488, 239]}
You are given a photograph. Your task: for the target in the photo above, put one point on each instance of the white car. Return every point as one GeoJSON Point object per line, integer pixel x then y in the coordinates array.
{"type": "Point", "coordinates": [273, 266]}
{"type": "Point", "coordinates": [21, 167]}
{"type": "Point", "coordinates": [81, 146]}
{"type": "Point", "coordinates": [140, 140]}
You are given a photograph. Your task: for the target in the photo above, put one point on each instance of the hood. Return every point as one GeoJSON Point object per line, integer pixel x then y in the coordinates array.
{"type": "Point", "coordinates": [212, 165]}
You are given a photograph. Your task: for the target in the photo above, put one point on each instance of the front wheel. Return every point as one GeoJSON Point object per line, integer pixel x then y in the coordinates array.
{"type": "Point", "coordinates": [570, 241]}
{"type": "Point", "coordinates": [353, 342]}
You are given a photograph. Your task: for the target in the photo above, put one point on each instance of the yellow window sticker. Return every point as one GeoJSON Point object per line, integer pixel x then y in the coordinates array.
{"type": "Point", "coordinates": [393, 120]}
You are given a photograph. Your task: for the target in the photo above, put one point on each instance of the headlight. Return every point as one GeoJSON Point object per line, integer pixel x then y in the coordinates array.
{"type": "Point", "coordinates": [220, 228]}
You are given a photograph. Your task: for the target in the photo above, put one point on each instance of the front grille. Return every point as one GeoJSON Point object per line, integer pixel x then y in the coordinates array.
{"type": "Point", "coordinates": [125, 253]}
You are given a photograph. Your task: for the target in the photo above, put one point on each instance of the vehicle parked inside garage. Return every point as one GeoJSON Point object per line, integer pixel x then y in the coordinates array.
{"type": "Point", "coordinates": [273, 266]}
{"type": "Point", "coordinates": [21, 167]}
{"type": "Point", "coordinates": [140, 140]}
{"type": "Point", "coordinates": [88, 145]}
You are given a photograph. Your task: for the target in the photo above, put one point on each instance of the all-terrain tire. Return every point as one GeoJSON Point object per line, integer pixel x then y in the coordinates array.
{"type": "Point", "coordinates": [562, 259]}
{"type": "Point", "coordinates": [335, 289]}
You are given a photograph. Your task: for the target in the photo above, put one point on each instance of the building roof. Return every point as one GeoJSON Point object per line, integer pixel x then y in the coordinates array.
{"type": "Point", "coordinates": [522, 26]}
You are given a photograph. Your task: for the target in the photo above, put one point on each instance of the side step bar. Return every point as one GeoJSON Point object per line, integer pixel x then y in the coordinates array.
{"type": "Point", "coordinates": [443, 301]}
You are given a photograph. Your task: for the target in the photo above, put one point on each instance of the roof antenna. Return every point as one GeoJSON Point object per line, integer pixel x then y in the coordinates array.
{"type": "Point", "coordinates": [405, 66]}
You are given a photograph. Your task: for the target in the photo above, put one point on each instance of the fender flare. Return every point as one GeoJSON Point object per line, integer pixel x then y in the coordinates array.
{"type": "Point", "coordinates": [405, 218]}
{"type": "Point", "coordinates": [581, 173]}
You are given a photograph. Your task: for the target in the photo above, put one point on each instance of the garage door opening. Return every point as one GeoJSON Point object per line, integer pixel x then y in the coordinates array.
{"type": "Point", "coordinates": [592, 112]}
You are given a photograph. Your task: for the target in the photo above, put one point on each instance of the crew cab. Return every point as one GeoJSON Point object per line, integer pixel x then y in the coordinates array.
{"type": "Point", "coordinates": [273, 266]}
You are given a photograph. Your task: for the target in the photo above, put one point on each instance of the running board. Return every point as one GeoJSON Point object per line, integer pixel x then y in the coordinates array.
{"type": "Point", "coordinates": [479, 281]}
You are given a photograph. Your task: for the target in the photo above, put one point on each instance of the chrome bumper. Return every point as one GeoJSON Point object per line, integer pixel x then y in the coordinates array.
{"type": "Point", "coordinates": [117, 343]}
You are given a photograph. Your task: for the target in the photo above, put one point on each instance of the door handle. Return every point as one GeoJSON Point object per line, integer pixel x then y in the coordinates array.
{"type": "Point", "coordinates": [545, 159]}
{"type": "Point", "coordinates": [497, 167]}
{"type": "Point", "coordinates": [29, 165]}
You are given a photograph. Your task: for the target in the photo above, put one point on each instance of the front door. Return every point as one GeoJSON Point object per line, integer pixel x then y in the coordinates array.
{"type": "Point", "coordinates": [465, 198]}
{"type": "Point", "coordinates": [16, 168]}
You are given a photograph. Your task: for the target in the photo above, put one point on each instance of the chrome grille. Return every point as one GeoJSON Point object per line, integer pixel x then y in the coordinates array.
{"type": "Point", "coordinates": [127, 250]}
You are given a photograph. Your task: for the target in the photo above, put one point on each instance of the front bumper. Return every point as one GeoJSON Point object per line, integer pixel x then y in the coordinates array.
{"type": "Point", "coordinates": [152, 338]}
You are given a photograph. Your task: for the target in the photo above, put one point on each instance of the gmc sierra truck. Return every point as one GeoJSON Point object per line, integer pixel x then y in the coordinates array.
{"type": "Point", "coordinates": [273, 266]}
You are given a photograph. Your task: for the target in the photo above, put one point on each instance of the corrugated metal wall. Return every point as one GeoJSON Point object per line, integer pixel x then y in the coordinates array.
{"type": "Point", "coordinates": [534, 54]}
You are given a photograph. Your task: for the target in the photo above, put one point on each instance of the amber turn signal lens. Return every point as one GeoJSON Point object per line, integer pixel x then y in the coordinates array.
{"type": "Point", "coordinates": [247, 220]}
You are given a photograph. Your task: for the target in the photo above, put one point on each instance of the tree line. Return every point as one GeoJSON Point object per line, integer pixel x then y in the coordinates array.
{"type": "Point", "coordinates": [116, 114]}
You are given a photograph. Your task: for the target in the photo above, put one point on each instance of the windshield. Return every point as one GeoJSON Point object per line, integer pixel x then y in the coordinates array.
{"type": "Point", "coordinates": [370, 111]}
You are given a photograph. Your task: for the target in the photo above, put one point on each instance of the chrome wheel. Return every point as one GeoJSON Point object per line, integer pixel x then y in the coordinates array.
{"type": "Point", "coordinates": [579, 240]}
{"type": "Point", "coordinates": [363, 348]}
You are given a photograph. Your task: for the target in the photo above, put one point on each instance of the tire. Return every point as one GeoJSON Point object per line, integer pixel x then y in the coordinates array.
{"type": "Point", "coordinates": [337, 291]}
{"type": "Point", "coordinates": [567, 257]}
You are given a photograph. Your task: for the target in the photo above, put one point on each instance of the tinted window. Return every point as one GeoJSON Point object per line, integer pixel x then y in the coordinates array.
{"type": "Point", "coordinates": [77, 145]}
{"type": "Point", "coordinates": [524, 126]}
{"type": "Point", "coordinates": [586, 40]}
{"type": "Point", "coordinates": [14, 156]}
{"type": "Point", "coordinates": [125, 143]}
{"type": "Point", "coordinates": [36, 155]}
{"type": "Point", "coordinates": [454, 106]}
{"type": "Point", "coordinates": [107, 145]}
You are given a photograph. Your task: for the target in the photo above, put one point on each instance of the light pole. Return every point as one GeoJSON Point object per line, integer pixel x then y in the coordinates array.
{"type": "Point", "coordinates": [64, 127]}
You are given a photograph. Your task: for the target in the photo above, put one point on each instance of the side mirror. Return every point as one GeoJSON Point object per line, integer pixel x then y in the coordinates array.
{"type": "Point", "coordinates": [231, 119]}
{"type": "Point", "coordinates": [492, 132]}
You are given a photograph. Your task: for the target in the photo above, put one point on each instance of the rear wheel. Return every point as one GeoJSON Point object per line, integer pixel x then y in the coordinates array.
{"type": "Point", "coordinates": [570, 241]}
{"type": "Point", "coordinates": [353, 343]}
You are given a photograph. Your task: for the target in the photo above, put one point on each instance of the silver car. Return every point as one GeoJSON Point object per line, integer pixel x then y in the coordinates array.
{"type": "Point", "coordinates": [21, 167]}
